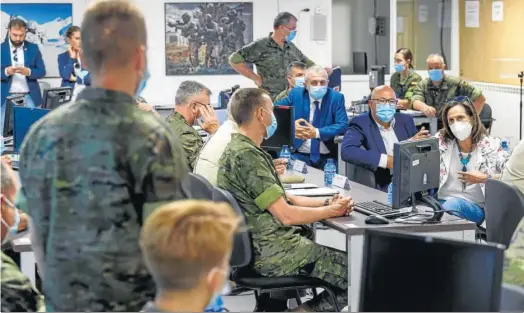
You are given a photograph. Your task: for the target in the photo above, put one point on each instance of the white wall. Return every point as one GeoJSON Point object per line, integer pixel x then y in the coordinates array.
{"type": "Point", "coordinates": [161, 89]}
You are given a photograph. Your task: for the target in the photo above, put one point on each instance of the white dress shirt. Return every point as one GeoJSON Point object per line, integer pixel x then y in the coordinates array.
{"type": "Point", "coordinates": [389, 138]}
{"type": "Point", "coordinates": [452, 188]}
{"type": "Point", "coordinates": [207, 161]}
{"type": "Point", "coordinates": [306, 146]}
{"type": "Point", "coordinates": [19, 82]}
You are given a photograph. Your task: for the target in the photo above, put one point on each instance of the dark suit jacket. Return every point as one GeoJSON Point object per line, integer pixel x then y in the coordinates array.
{"type": "Point", "coordinates": [66, 66]}
{"type": "Point", "coordinates": [32, 60]}
{"type": "Point", "coordinates": [363, 132]}
{"type": "Point", "coordinates": [333, 121]}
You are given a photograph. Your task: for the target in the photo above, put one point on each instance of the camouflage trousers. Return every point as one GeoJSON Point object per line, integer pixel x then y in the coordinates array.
{"type": "Point", "coordinates": [332, 267]}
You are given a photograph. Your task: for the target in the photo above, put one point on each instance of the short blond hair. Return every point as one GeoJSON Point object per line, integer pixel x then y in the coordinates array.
{"type": "Point", "coordinates": [182, 241]}
{"type": "Point", "coordinates": [112, 31]}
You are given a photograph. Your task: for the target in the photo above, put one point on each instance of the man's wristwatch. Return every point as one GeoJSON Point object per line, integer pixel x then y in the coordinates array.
{"type": "Point", "coordinates": [326, 203]}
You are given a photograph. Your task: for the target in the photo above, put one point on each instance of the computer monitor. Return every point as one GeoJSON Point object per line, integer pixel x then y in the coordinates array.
{"type": "Point", "coordinates": [23, 119]}
{"type": "Point", "coordinates": [416, 172]}
{"type": "Point", "coordinates": [285, 131]}
{"type": "Point", "coordinates": [55, 97]}
{"type": "Point", "coordinates": [415, 273]}
{"type": "Point", "coordinates": [10, 103]}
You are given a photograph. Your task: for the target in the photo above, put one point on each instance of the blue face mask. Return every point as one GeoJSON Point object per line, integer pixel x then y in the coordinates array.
{"type": "Point", "coordinates": [271, 128]}
{"type": "Point", "coordinates": [13, 229]}
{"type": "Point", "coordinates": [399, 68]}
{"type": "Point", "coordinates": [291, 35]}
{"type": "Point", "coordinates": [317, 92]}
{"type": "Point", "coordinates": [142, 84]}
{"type": "Point", "coordinates": [385, 112]}
{"type": "Point", "coordinates": [299, 81]}
{"type": "Point", "coordinates": [435, 75]}
{"type": "Point", "coordinates": [216, 304]}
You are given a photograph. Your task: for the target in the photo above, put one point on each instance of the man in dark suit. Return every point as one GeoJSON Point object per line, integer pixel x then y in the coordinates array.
{"type": "Point", "coordinates": [370, 138]}
{"type": "Point", "coordinates": [22, 66]}
{"type": "Point", "coordinates": [320, 116]}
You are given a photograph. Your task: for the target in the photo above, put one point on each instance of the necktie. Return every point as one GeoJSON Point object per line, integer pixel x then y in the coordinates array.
{"type": "Point", "coordinates": [314, 155]}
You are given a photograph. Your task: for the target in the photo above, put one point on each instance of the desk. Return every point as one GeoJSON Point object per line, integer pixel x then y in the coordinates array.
{"type": "Point", "coordinates": [353, 227]}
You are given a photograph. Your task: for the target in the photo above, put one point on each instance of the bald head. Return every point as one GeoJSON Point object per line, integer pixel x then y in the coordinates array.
{"type": "Point", "coordinates": [383, 92]}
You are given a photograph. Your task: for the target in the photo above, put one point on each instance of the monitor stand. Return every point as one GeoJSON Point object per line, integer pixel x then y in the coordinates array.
{"type": "Point", "coordinates": [422, 215]}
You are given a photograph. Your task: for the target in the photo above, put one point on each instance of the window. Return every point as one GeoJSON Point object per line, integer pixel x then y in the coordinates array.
{"type": "Point", "coordinates": [354, 47]}
{"type": "Point", "coordinates": [423, 29]}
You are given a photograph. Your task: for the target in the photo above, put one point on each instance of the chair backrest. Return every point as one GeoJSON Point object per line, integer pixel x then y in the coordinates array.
{"type": "Point", "coordinates": [511, 298]}
{"type": "Point", "coordinates": [486, 117]}
{"type": "Point", "coordinates": [360, 62]}
{"type": "Point", "coordinates": [504, 208]}
{"type": "Point", "coordinates": [197, 187]}
{"type": "Point", "coordinates": [43, 87]}
{"type": "Point", "coordinates": [241, 255]}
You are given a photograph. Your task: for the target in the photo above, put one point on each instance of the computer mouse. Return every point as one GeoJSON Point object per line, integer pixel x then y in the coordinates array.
{"type": "Point", "coordinates": [376, 220]}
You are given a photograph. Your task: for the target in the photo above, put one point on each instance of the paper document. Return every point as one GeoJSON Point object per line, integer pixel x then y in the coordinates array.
{"type": "Point", "coordinates": [473, 14]}
{"type": "Point", "coordinates": [299, 186]}
{"type": "Point", "coordinates": [497, 13]}
{"type": "Point", "coordinates": [316, 192]}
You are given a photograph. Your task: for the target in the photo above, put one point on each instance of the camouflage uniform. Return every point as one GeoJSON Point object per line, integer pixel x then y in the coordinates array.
{"type": "Point", "coordinates": [90, 172]}
{"type": "Point", "coordinates": [514, 262]}
{"type": "Point", "coordinates": [248, 173]}
{"type": "Point", "coordinates": [18, 295]}
{"type": "Point", "coordinates": [271, 61]}
{"type": "Point", "coordinates": [450, 87]}
{"type": "Point", "coordinates": [404, 86]}
{"type": "Point", "coordinates": [283, 94]}
{"type": "Point", "coordinates": [188, 136]}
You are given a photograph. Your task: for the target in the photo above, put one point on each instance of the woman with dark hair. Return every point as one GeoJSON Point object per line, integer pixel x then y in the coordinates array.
{"type": "Point", "coordinates": [404, 80]}
{"type": "Point", "coordinates": [468, 157]}
{"type": "Point", "coordinates": [69, 64]}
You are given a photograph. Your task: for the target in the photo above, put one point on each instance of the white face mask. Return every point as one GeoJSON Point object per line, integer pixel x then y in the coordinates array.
{"type": "Point", "coordinates": [461, 130]}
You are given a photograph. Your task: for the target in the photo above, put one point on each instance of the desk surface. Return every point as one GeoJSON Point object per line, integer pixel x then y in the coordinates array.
{"type": "Point", "coordinates": [355, 223]}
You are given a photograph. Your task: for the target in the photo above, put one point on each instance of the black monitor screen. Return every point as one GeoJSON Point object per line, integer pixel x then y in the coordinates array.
{"type": "Point", "coordinates": [55, 97]}
{"type": "Point", "coordinates": [284, 134]}
{"type": "Point", "coordinates": [416, 168]}
{"type": "Point", "coordinates": [10, 103]}
{"type": "Point", "coordinates": [406, 273]}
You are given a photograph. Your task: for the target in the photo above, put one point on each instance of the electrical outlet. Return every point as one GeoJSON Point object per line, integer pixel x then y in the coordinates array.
{"type": "Point", "coordinates": [381, 25]}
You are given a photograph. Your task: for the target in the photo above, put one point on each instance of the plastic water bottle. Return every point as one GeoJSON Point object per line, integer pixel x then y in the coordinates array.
{"type": "Point", "coordinates": [390, 193]}
{"type": "Point", "coordinates": [505, 145]}
{"type": "Point", "coordinates": [285, 153]}
{"type": "Point", "coordinates": [330, 170]}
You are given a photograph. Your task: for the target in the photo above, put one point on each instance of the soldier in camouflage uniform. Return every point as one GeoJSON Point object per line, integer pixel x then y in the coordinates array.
{"type": "Point", "coordinates": [93, 170]}
{"type": "Point", "coordinates": [431, 93]}
{"type": "Point", "coordinates": [280, 248]}
{"type": "Point", "coordinates": [296, 72]}
{"type": "Point", "coordinates": [18, 294]}
{"type": "Point", "coordinates": [404, 80]}
{"type": "Point", "coordinates": [514, 262]}
{"type": "Point", "coordinates": [192, 104]}
{"type": "Point", "coordinates": [271, 55]}
{"type": "Point", "coordinates": [211, 39]}
{"type": "Point", "coordinates": [193, 34]}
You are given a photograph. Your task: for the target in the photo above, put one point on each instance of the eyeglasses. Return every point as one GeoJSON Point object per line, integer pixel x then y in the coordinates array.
{"type": "Point", "coordinates": [391, 102]}
{"type": "Point", "coordinates": [318, 82]}
{"type": "Point", "coordinates": [15, 55]}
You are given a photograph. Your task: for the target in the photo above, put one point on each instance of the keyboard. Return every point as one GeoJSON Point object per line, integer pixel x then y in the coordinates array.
{"type": "Point", "coordinates": [378, 208]}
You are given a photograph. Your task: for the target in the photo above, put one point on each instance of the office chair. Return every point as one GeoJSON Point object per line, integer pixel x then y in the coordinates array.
{"type": "Point", "coordinates": [247, 278]}
{"type": "Point", "coordinates": [360, 175]}
{"type": "Point", "coordinates": [511, 298]}
{"type": "Point", "coordinates": [504, 208]}
{"type": "Point", "coordinates": [43, 87]}
{"type": "Point", "coordinates": [197, 187]}
{"type": "Point", "coordinates": [360, 63]}
{"type": "Point", "coordinates": [486, 117]}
